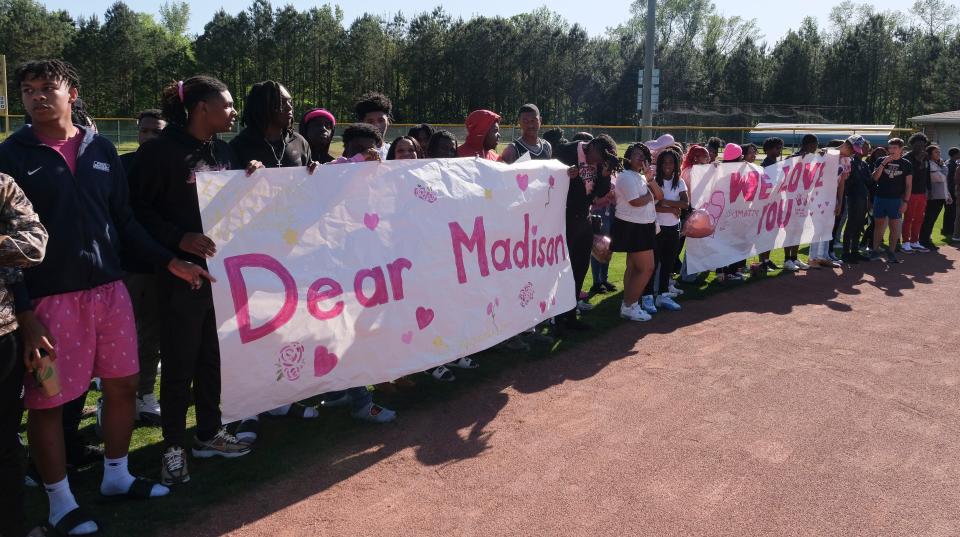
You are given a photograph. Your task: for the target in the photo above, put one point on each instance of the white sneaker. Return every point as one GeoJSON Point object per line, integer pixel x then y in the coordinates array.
{"type": "Point", "coordinates": [148, 409]}
{"type": "Point", "coordinates": [674, 290]}
{"type": "Point", "coordinates": [801, 265]}
{"type": "Point", "coordinates": [583, 305]}
{"type": "Point", "coordinates": [647, 305]}
{"type": "Point", "coordinates": [790, 266]}
{"type": "Point", "coordinates": [634, 313]}
{"type": "Point", "coordinates": [667, 303]}
{"type": "Point", "coordinates": [906, 248]}
{"type": "Point", "coordinates": [917, 247]}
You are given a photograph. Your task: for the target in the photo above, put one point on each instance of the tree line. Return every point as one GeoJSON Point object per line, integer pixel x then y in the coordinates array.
{"type": "Point", "coordinates": [867, 66]}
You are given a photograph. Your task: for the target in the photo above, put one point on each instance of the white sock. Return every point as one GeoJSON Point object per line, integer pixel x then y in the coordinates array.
{"type": "Point", "coordinates": [117, 479]}
{"type": "Point", "coordinates": [61, 503]}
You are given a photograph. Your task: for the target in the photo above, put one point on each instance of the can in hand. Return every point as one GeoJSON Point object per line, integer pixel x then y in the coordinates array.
{"type": "Point", "coordinates": [46, 375]}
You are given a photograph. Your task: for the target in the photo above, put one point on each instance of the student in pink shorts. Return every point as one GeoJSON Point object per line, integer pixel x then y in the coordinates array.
{"type": "Point", "coordinates": [74, 306]}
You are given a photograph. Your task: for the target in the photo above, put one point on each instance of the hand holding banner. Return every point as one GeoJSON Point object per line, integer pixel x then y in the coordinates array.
{"type": "Point", "coordinates": [363, 273]}
{"type": "Point", "coordinates": [756, 209]}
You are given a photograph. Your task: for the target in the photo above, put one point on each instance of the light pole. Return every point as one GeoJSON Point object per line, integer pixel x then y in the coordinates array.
{"type": "Point", "coordinates": [649, 45]}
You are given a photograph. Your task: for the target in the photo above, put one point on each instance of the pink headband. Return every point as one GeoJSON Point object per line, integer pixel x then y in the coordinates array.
{"type": "Point", "coordinates": [180, 90]}
{"type": "Point", "coordinates": [319, 112]}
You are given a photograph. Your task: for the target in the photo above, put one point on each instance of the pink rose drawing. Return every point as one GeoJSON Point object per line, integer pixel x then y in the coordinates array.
{"type": "Point", "coordinates": [290, 362]}
{"type": "Point", "coordinates": [526, 294]}
{"type": "Point", "coordinates": [425, 193]}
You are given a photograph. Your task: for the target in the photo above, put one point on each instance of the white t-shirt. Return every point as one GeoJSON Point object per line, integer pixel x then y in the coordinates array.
{"type": "Point", "coordinates": [669, 194]}
{"type": "Point", "coordinates": [630, 186]}
{"type": "Point", "coordinates": [384, 149]}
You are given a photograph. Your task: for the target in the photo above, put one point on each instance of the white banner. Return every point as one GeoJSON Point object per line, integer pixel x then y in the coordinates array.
{"type": "Point", "coordinates": [759, 209]}
{"type": "Point", "coordinates": [363, 273]}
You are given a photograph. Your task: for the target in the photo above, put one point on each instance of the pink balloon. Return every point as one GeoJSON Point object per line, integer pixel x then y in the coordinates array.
{"type": "Point", "coordinates": [699, 225]}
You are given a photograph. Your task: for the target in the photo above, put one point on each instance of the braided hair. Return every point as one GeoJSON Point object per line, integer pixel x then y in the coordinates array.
{"type": "Point", "coordinates": [631, 149]}
{"type": "Point", "coordinates": [196, 89]}
{"type": "Point", "coordinates": [676, 168]}
{"type": "Point", "coordinates": [608, 148]}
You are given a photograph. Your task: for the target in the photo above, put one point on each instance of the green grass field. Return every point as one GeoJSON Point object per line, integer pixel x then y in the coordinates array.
{"type": "Point", "coordinates": [286, 444]}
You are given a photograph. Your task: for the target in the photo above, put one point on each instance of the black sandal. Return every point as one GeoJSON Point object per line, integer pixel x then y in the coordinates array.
{"type": "Point", "coordinates": [69, 522]}
{"type": "Point", "coordinates": [140, 489]}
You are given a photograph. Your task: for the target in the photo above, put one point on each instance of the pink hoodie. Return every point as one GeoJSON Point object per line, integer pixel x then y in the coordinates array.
{"type": "Point", "coordinates": [478, 125]}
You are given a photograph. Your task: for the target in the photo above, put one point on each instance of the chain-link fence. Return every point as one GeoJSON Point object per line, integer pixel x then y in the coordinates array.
{"type": "Point", "coordinates": [123, 131]}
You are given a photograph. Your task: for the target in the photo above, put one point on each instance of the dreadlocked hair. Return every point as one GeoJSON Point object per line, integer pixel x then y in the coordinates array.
{"type": "Point", "coordinates": [48, 70]}
{"type": "Point", "coordinates": [676, 168]}
{"type": "Point", "coordinates": [196, 89]}
{"type": "Point", "coordinates": [631, 149]}
{"type": "Point", "coordinates": [608, 148]}
{"type": "Point", "coordinates": [261, 103]}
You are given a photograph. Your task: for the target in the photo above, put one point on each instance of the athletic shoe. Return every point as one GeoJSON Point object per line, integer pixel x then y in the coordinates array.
{"type": "Point", "coordinates": [646, 303]}
{"type": "Point", "coordinates": [148, 409]}
{"type": "Point", "coordinates": [223, 444]}
{"type": "Point", "coordinates": [770, 265]}
{"type": "Point", "coordinates": [833, 257]}
{"type": "Point", "coordinates": [374, 414]}
{"type": "Point", "coordinates": [667, 303]}
{"type": "Point", "coordinates": [801, 265]}
{"type": "Point", "coordinates": [173, 467]}
{"type": "Point", "coordinates": [790, 265]}
{"type": "Point", "coordinates": [892, 257]}
{"type": "Point", "coordinates": [955, 238]}
{"type": "Point", "coordinates": [596, 290]}
{"type": "Point", "coordinates": [466, 363]}
{"type": "Point", "coordinates": [634, 313]}
{"type": "Point", "coordinates": [875, 255]}
{"type": "Point", "coordinates": [906, 248]}
{"type": "Point", "coordinates": [930, 246]}
{"type": "Point", "coordinates": [583, 305]}
{"type": "Point", "coordinates": [442, 374]}
{"type": "Point", "coordinates": [735, 277]}
{"type": "Point", "coordinates": [917, 247]}
{"type": "Point", "coordinates": [609, 287]}
{"type": "Point", "coordinates": [674, 290]}
{"type": "Point", "coordinates": [859, 256]}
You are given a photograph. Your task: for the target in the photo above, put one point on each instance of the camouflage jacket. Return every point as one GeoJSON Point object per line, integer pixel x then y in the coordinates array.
{"type": "Point", "coordinates": [23, 241]}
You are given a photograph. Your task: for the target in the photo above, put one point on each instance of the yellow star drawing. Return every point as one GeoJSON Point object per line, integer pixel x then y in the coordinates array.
{"type": "Point", "coordinates": [290, 237]}
{"type": "Point", "coordinates": [488, 193]}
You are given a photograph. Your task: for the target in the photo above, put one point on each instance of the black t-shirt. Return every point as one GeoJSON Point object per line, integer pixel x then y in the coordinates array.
{"type": "Point", "coordinates": [292, 151]}
{"type": "Point", "coordinates": [893, 178]}
{"type": "Point", "coordinates": [951, 170]}
{"type": "Point", "coordinates": [769, 161]}
{"type": "Point", "coordinates": [921, 175]}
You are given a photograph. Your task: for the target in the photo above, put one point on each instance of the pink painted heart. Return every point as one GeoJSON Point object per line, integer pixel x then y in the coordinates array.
{"type": "Point", "coordinates": [424, 317]}
{"type": "Point", "coordinates": [407, 337]}
{"type": "Point", "coordinates": [371, 220]}
{"type": "Point", "coordinates": [523, 181]}
{"type": "Point", "coordinates": [543, 306]}
{"type": "Point", "coordinates": [489, 308]}
{"type": "Point", "coordinates": [323, 361]}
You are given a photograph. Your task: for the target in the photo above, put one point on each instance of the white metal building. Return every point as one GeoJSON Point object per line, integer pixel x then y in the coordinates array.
{"type": "Point", "coordinates": [943, 129]}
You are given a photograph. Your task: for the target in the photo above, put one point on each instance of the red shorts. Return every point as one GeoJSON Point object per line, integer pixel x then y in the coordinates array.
{"type": "Point", "coordinates": [94, 335]}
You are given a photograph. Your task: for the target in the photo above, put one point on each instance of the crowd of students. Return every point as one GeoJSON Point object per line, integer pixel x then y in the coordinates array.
{"type": "Point", "coordinates": [103, 257]}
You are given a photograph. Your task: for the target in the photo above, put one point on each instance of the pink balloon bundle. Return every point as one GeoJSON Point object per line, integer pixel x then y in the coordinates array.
{"type": "Point", "coordinates": [699, 225]}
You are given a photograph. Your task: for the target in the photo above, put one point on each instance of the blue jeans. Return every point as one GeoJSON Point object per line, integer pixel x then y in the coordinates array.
{"type": "Point", "coordinates": [359, 397]}
{"type": "Point", "coordinates": [597, 269]}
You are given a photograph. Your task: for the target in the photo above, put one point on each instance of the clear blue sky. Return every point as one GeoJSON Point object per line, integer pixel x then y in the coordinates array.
{"type": "Point", "coordinates": [774, 17]}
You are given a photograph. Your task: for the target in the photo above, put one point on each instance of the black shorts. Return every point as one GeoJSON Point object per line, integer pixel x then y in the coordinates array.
{"type": "Point", "coordinates": [629, 237]}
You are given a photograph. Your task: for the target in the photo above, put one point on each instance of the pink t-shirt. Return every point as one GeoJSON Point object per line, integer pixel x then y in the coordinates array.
{"type": "Point", "coordinates": [68, 148]}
